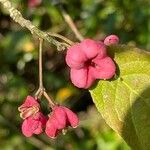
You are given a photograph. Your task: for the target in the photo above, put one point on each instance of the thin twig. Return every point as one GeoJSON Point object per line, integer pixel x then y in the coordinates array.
{"type": "Point", "coordinates": [71, 24]}
{"type": "Point", "coordinates": [41, 90]}
{"type": "Point", "coordinates": [40, 65]}
{"type": "Point", "coordinates": [49, 99]}
{"type": "Point", "coordinates": [17, 17]}
{"type": "Point", "coordinates": [61, 37]}
{"type": "Point", "coordinates": [37, 94]}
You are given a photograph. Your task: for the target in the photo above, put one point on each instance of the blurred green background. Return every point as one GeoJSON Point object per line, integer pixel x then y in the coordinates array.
{"type": "Point", "coordinates": [129, 19]}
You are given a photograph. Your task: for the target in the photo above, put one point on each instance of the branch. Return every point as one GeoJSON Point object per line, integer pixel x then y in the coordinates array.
{"type": "Point", "coordinates": [70, 23]}
{"type": "Point", "coordinates": [17, 17]}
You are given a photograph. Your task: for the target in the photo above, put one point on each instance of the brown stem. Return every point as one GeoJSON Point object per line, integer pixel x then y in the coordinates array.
{"type": "Point", "coordinates": [71, 24]}
{"type": "Point", "coordinates": [17, 17]}
{"type": "Point", "coordinates": [51, 103]}
{"type": "Point", "coordinates": [41, 89]}
{"type": "Point", "coordinates": [40, 65]}
{"type": "Point", "coordinates": [62, 38]}
{"type": "Point", "coordinates": [37, 93]}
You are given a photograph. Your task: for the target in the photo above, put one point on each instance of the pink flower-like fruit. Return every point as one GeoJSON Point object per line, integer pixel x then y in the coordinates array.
{"type": "Point", "coordinates": [34, 120]}
{"type": "Point", "coordinates": [111, 39]}
{"type": "Point", "coordinates": [34, 124]}
{"type": "Point", "coordinates": [29, 107]}
{"type": "Point", "coordinates": [88, 61]}
{"type": "Point", "coordinates": [60, 118]}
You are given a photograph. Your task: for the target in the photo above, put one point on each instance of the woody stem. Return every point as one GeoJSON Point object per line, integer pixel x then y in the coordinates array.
{"type": "Point", "coordinates": [49, 37]}
{"type": "Point", "coordinates": [51, 103]}
{"type": "Point", "coordinates": [41, 89]}
{"type": "Point", "coordinates": [40, 65]}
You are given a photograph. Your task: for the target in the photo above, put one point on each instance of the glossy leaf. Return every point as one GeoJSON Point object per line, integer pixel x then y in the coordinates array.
{"type": "Point", "coordinates": [124, 101]}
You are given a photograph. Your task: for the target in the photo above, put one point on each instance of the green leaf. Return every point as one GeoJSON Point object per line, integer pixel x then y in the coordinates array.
{"type": "Point", "coordinates": [124, 101]}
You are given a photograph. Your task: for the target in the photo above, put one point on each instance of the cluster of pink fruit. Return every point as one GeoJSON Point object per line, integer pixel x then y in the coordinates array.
{"type": "Point", "coordinates": [88, 61]}
{"type": "Point", "coordinates": [34, 120]}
